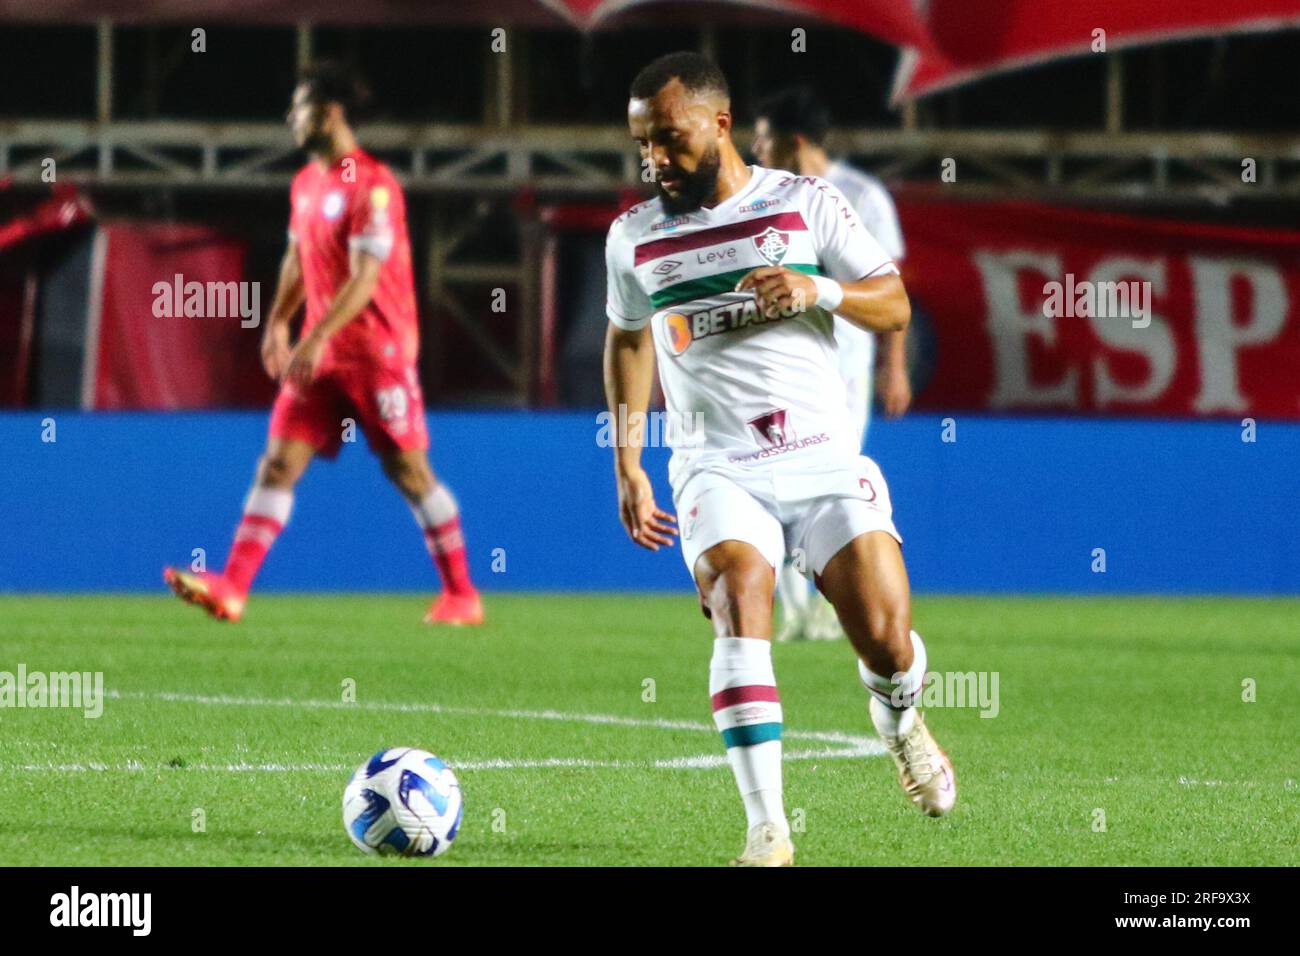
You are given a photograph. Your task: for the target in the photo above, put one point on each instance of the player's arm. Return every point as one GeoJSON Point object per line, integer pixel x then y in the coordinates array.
{"type": "Point", "coordinates": [893, 383]}
{"type": "Point", "coordinates": [629, 365]}
{"type": "Point", "coordinates": [289, 293]}
{"type": "Point", "coordinates": [876, 303]}
{"type": "Point", "coordinates": [348, 302]}
{"type": "Point", "coordinates": [629, 376]}
{"type": "Point", "coordinates": [861, 282]}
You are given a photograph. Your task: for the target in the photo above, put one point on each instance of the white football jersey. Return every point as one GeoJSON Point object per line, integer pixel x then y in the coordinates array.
{"type": "Point", "coordinates": [743, 390]}
{"type": "Point", "coordinates": [857, 346]}
{"type": "Point", "coordinates": [873, 204]}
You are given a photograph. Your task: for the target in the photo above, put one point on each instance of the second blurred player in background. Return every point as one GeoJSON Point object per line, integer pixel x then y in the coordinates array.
{"type": "Point", "coordinates": [789, 133]}
{"type": "Point", "coordinates": [349, 261]}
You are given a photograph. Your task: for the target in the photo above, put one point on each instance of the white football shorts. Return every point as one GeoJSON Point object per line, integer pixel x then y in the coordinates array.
{"type": "Point", "coordinates": [808, 516]}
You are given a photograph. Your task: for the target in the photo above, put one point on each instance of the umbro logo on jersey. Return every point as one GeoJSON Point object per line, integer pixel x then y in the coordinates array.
{"type": "Point", "coordinates": [772, 244]}
{"type": "Point", "coordinates": [665, 267]}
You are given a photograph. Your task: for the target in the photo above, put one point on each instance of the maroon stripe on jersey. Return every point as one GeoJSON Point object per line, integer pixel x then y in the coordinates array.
{"type": "Point", "coordinates": [792, 221]}
{"type": "Point", "coordinates": [744, 695]}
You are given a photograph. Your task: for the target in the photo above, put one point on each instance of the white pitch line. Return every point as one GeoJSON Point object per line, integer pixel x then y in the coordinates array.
{"type": "Point", "coordinates": [871, 744]}
{"type": "Point", "coordinates": [849, 745]}
{"type": "Point", "coordinates": [1248, 784]}
{"type": "Point", "coordinates": [702, 762]}
{"type": "Point", "coordinates": [135, 766]}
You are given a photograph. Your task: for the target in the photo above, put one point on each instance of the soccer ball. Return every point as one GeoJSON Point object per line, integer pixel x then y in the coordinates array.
{"type": "Point", "coordinates": [403, 801]}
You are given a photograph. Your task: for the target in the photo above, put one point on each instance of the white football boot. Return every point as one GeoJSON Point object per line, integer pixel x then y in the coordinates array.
{"type": "Point", "coordinates": [823, 623]}
{"type": "Point", "coordinates": [924, 769]}
{"type": "Point", "coordinates": [794, 628]}
{"type": "Point", "coordinates": [795, 613]}
{"type": "Point", "coordinates": [766, 845]}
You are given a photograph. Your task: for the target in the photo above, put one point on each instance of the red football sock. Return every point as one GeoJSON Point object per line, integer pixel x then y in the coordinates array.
{"type": "Point", "coordinates": [446, 546]}
{"type": "Point", "coordinates": [439, 517]}
{"type": "Point", "coordinates": [266, 512]}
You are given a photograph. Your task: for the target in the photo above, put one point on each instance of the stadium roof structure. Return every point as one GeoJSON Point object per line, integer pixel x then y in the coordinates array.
{"type": "Point", "coordinates": [946, 42]}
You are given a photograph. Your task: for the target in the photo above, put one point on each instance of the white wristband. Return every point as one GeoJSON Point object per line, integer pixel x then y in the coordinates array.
{"type": "Point", "coordinates": [829, 293]}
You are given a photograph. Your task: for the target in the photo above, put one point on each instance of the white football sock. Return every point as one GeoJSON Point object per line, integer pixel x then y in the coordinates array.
{"type": "Point", "coordinates": [273, 503]}
{"type": "Point", "coordinates": [436, 508]}
{"type": "Point", "coordinates": [747, 711]}
{"type": "Point", "coordinates": [893, 709]}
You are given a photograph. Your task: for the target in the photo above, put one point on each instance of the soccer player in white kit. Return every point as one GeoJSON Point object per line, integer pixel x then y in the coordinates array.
{"type": "Point", "coordinates": [729, 281]}
{"type": "Point", "coordinates": [789, 132]}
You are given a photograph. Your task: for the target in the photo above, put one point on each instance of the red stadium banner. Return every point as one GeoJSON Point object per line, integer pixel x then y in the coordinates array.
{"type": "Point", "coordinates": [969, 39]}
{"type": "Point", "coordinates": [1048, 308]}
{"type": "Point", "coordinates": [172, 322]}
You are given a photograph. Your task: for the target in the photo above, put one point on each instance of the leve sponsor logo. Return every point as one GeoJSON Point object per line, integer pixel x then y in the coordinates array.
{"type": "Point", "coordinates": [720, 256]}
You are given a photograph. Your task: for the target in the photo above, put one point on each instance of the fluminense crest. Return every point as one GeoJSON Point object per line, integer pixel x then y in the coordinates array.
{"type": "Point", "coordinates": [772, 244]}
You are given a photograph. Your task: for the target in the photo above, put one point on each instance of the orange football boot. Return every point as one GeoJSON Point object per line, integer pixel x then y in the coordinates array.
{"type": "Point", "coordinates": [455, 609]}
{"type": "Point", "coordinates": [208, 591]}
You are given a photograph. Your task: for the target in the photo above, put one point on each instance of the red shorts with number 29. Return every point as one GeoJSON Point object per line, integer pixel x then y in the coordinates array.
{"type": "Point", "coordinates": [384, 401]}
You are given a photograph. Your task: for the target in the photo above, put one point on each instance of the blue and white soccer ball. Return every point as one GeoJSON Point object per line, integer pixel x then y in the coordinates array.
{"type": "Point", "coordinates": [403, 801]}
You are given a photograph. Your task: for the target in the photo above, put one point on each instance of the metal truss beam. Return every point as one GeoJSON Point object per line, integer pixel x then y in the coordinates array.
{"type": "Point", "coordinates": [592, 159]}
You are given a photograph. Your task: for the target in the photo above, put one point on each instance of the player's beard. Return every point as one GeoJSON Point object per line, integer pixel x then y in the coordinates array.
{"type": "Point", "coordinates": [318, 143]}
{"type": "Point", "coordinates": [696, 187]}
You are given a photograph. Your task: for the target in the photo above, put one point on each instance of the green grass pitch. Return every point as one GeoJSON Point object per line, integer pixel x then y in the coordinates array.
{"type": "Point", "coordinates": [1127, 710]}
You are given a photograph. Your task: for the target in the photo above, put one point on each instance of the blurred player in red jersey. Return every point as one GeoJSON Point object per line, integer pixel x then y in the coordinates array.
{"type": "Point", "coordinates": [349, 259]}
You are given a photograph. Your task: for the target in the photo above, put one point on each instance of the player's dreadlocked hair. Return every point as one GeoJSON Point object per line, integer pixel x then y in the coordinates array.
{"type": "Point", "coordinates": [696, 72]}
{"type": "Point", "coordinates": [796, 110]}
{"type": "Point", "coordinates": [329, 81]}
